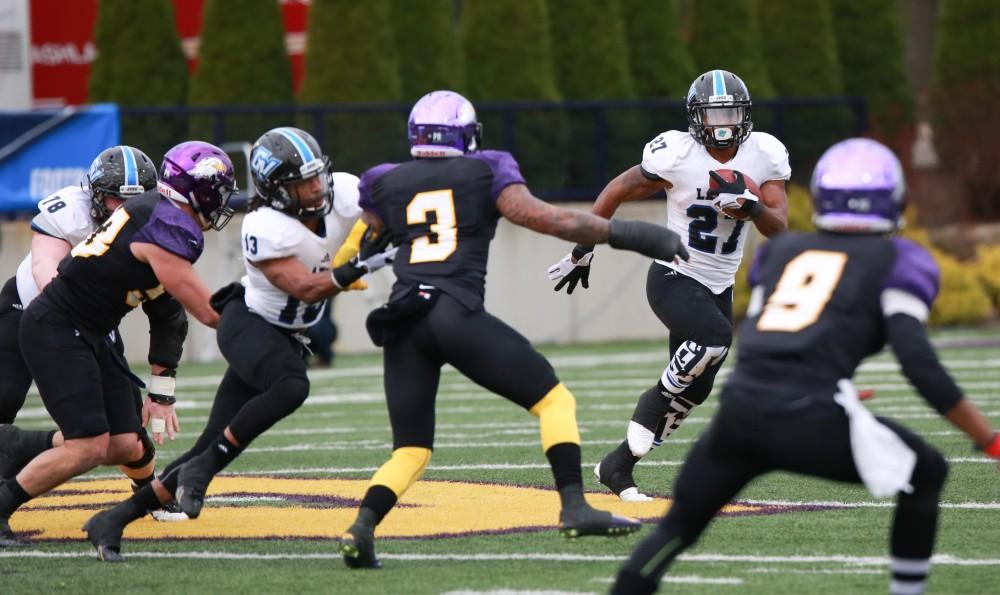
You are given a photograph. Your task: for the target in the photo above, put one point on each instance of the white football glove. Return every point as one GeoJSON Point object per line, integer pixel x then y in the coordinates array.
{"type": "Point", "coordinates": [731, 201]}
{"type": "Point", "coordinates": [569, 272]}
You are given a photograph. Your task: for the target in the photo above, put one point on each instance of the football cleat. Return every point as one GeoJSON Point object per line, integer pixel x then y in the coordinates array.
{"type": "Point", "coordinates": [192, 482]}
{"type": "Point", "coordinates": [583, 520]}
{"type": "Point", "coordinates": [7, 536]}
{"type": "Point", "coordinates": [618, 481]}
{"type": "Point", "coordinates": [168, 513]}
{"type": "Point", "coordinates": [357, 546]}
{"type": "Point", "coordinates": [12, 458]}
{"type": "Point", "coordinates": [106, 537]}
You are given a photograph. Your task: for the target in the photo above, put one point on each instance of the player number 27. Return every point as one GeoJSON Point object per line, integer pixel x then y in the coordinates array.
{"type": "Point", "coordinates": [442, 240]}
{"type": "Point", "coordinates": [805, 287]}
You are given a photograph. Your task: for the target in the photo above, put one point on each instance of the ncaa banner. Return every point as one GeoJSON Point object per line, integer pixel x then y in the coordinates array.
{"type": "Point", "coordinates": [42, 151]}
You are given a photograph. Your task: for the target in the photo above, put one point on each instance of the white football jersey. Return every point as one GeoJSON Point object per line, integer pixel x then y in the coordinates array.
{"type": "Point", "coordinates": [64, 214]}
{"type": "Point", "coordinates": [268, 234]}
{"type": "Point", "coordinates": [714, 240]}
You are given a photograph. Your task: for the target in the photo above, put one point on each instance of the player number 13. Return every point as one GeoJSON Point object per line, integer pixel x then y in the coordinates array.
{"type": "Point", "coordinates": [442, 240]}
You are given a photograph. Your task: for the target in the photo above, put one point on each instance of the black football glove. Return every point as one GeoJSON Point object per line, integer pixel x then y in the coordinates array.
{"type": "Point", "coordinates": [373, 254]}
{"type": "Point", "coordinates": [574, 268]}
{"type": "Point", "coordinates": [648, 239]}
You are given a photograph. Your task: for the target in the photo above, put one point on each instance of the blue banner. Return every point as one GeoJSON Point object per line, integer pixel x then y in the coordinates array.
{"type": "Point", "coordinates": [42, 151]}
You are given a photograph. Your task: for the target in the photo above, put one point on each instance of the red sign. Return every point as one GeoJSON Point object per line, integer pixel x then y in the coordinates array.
{"type": "Point", "coordinates": [62, 45]}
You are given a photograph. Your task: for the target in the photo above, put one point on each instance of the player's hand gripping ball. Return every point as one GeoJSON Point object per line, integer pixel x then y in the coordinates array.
{"type": "Point", "coordinates": [734, 194]}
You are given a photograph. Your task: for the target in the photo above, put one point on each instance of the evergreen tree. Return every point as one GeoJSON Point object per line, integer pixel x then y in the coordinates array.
{"type": "Point", "coordinates": [426, 37]}
{"type": "Point", "coordinates": [509, 57]}
{"type": "Point", "coordinates": [725, 34]}
{"type": "Point", "coordinates": [241, 61]}
{"type": "Point", "coordinates": [351, 58]}
{"type": "Point", "coordinates": [805, 55]}
{"type": "Point", "coordinates": [660, 63]}
{"type": "Point", "coordinates": [140, 63]}
{"type": "Point", "coordinates": [591, 62]}
{"type": "Point", "coordinates": [870, 49]}
{"type": "Point", "coordinates": [965, 87]}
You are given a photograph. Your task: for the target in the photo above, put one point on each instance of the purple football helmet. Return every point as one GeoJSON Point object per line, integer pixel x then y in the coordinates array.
{"type": "Point", "coordinates": [858, 187]}
{"type": "Point", "coordinates": [201, 175]}
{"type": "Point", "coordinates": [443, 124]}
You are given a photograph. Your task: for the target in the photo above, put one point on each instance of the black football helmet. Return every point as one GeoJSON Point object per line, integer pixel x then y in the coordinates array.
{"type": "Point", "coordinates": [122, 172]}
{"type": "Point", "coordinates": [718, 109]}
{"type": "Point", "coordinates": [282, 157]}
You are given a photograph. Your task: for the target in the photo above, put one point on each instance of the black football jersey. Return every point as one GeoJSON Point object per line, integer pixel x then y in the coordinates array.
{"type": "Point", "coordinates": [821, 307]}
{"type": "Point", "coordinates": [100, 280]}
{"type": "Point", "coordinates": [442, 214]}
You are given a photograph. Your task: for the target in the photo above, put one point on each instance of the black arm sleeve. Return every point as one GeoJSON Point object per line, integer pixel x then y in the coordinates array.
{"type": "Point", "coordinates": [920, 364]}
{"type": "Point", "coordinates": [168, 327]}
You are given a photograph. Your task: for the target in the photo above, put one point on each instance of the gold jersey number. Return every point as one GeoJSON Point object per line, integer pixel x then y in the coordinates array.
{"type": "Point", "coordinates": [442, 204]}
{"type": "Point", "coordinates": [803, 290]}
{"type": "Point", "coordinates": [99, 242]}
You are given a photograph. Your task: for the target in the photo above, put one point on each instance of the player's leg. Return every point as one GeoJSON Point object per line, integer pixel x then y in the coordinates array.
{"type": "Point", "coordinates": [15, 379]}
{"type": "Point", "coordinates": [266, 358]}
{"type": "Point", "coordinates": [104, 529]}
{"type": "Point", "coordinates": [700, 325]}
{"type": "Point", "coordinates": [498, 358]}
{"type": "Point", "coordinates": [412, 370]}
{"type": "Point", "coordinates": [719, 465]}
{"type": "Point", "coordinates": [68, 375]}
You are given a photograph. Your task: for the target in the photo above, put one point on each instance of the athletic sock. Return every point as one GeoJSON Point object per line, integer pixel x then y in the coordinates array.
{"type": "Point", "coordinates": [378, 501]}
{"type": "Point", "coordinates": [564, 458]}
{"type": "Point", "coordinates": [12, 496]}
{"type": "Point", "coordinates": [909, 576]}
{"type": "Point", "coordinates": [137, 506]}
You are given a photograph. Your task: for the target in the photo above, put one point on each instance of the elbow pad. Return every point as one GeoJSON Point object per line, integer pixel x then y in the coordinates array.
{"type": "Point", "coordinates": [920, 364]}
{"type": "Point", "coordinates": [168, 327]}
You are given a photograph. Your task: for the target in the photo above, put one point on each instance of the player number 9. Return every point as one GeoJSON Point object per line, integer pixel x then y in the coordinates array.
{"type": "Point", "coordinates": [805, 287]}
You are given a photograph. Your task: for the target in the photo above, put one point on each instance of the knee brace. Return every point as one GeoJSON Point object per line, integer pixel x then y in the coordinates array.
{"type": "Point", "coordinates": [690, 361]}
{"type": "Point", "coordinates": [556, 413]}
{"type": "Point", "coordinates": [148, 451]}
{"type": "Point", "coordinates": [403, 469]}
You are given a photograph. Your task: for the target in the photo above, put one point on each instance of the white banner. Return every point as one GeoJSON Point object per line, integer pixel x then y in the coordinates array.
{"type": "Point", "coordinates": [15, 67]}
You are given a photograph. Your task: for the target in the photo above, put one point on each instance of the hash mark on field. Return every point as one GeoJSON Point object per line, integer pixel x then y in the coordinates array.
{"type": "Point", "coordinates": [682, 579]}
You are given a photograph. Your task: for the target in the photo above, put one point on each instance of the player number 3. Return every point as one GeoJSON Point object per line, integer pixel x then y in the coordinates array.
{"type": "Point", "coordinates": [442, 240]}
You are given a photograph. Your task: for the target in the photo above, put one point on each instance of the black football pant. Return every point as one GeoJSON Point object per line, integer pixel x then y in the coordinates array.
{"type": "Point", "coordinates": [15, 379]}
{"type": "Point", "coordinates": [479, 345]}
{"type": "Point", "coordinates": [747, 439]}
{"type": "Point", "coordinates": [691, 312]}
{"type": "Point", "coordinates": [265, 381]}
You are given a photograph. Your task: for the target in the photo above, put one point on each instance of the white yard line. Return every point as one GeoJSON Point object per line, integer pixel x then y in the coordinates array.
{"type": "Point", "coordinates": [939, 559]}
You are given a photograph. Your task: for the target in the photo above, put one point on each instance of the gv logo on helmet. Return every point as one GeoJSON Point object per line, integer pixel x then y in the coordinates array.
{"type": "Point", "coordinates": [263, 162]}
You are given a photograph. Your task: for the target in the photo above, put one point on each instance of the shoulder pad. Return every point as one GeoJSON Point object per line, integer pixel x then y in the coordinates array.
{"type": "Point", "coordinates": [661, 155]}
{"type": "Point", "coordinates": [274, 235]}
{"type": "Point", "coordinates": [345, 195]}
{"type": "Point", "coordinates": [776, 154]}
{"type": "Point", "coordinates": [914, 272]}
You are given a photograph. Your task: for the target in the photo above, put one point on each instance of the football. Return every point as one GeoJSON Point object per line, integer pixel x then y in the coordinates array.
{"type": "Point", "coordinates": [730, 176]}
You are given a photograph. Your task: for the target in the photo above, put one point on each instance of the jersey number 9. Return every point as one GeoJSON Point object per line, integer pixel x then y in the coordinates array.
{"type": "Point", "coordinates": [805, 287]}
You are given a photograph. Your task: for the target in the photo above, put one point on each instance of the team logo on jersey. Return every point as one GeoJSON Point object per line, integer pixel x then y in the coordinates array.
{"type": "Point", "coordinates": [323, 508]}
{"type": "Point", "coordinates": [263, 162]}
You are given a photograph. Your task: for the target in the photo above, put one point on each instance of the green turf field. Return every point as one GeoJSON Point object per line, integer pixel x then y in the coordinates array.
{"type": "Point", "coordinates": [482, 521]}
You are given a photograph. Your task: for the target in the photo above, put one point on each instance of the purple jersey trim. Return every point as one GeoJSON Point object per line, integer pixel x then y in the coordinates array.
{"type": "Point", "coordinates": [914, 271]}
{"type": "Point", "coordinates": [173, 230]}
{"type": "Point", "coordinates": [504, 167]}
{"type": "Point", "coordinates": [365, 199]}
{"type": "Point", "coordinates": [753, 275]}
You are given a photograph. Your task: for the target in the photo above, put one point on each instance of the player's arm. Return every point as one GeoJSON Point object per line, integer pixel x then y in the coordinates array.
{"type": "Point", "coordinates": [179, 277]}
{"type": "Point", "coordinates": [292, 277]}
{"type": "Point", "coordinates": [520, 207]}
{"type": "Point", "coordinates": [773, 219]}
{"type": "Point", "coordinates": [634, 183]}
{"type": "Point", "coordinates": [46, 252]}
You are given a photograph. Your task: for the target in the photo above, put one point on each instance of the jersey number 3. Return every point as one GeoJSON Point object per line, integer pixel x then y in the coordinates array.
{"type": "Point", "coordinates": [805, 287]}
{"type": "Point", "coordinates": [442, 240]}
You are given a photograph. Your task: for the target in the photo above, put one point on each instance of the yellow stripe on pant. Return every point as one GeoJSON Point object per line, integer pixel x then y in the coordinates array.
{"type": "Point", "coordinates": [556, 414]}
{"type": "Point", "coordinates": [403, 469]}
